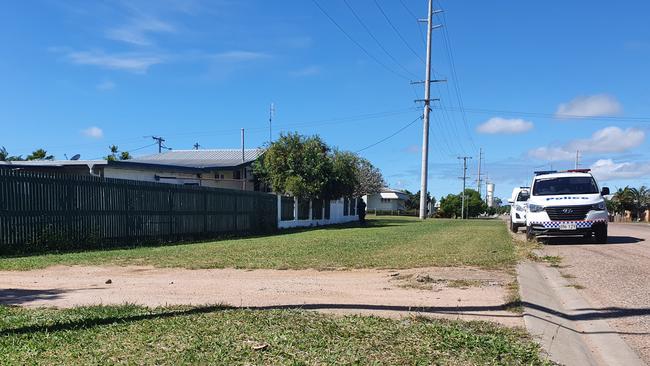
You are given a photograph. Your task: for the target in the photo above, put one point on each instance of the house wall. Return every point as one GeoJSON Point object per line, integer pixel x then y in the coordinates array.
{"type": "Point", "coordinates": [374, 202]}
{"type": "Point", "coordinates": [336, 216]}
{"type": "Point", "coordinates": [149, 175]}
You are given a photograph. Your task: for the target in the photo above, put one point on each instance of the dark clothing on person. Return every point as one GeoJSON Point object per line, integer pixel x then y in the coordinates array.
{"type": "Point", "coordinates": [361, 210]}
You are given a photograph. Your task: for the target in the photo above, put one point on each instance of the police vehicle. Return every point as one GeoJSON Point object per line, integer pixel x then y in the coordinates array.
{"type": "Point", "coordinates": [567, 203]}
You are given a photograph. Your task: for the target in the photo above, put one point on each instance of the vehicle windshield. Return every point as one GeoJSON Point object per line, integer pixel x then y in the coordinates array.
{"type": "Point", "coordinates": [523, 196]}
{"type": "Point", "coordinates": [565, 185]}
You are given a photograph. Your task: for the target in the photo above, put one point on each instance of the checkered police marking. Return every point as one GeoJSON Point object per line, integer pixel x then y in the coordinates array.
{"type": "Point", "coordinates": [556, 224]}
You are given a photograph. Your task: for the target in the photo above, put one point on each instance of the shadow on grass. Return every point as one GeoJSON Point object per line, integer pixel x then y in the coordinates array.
{"type": "Point", "coordinates": [480, 311]}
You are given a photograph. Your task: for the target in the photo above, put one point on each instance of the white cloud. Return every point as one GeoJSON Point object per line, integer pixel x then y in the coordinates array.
{"type": "Point", "coordinates": [137, 30]}
{"type": "Point", "coordinates": [240, 56]}
{"type": "Point", "coordinates": [306, 71]}
{"type": "Point", "coordinates": [607, 169]}
{"type": "Point", "coordinates": [106, 85]}
{"type": "Point", "coordinates": [504, 125]}
{"type": "Point", "coordinates": [608, 140]}
{"type": "Point", "coordinates": [93, 132]}
{"type": "Point", "coordinates": [551, 153]}
{"type": "Point", "coordinates": [589, 106]}
{"type": "Point", "coordinates": [133, 62]}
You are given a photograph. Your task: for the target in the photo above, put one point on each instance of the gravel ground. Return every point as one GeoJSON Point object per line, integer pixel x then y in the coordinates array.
{"type": "Point", "coordinates": [616, 279]}
{"type": "Point", "coordinates": [465, 293]}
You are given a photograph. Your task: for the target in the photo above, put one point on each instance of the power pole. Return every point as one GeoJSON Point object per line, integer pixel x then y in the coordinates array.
{"type": "Point", "coordinates": [271, 113]}
{"type": "Point", "coordinates": [464, 178]}
{"type": "Point", "coordinates": [427, 110]}
{"type": "Point", "coordinates": [160, 141]}
{"type": "Point", "coordinates": [478, 177]}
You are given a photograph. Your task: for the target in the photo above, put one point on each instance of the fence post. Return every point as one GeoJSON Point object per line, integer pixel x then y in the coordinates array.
{"type": "Point", "coordinates": [279, 210]}
{"type": "Point", "coordinates": [295, 208]}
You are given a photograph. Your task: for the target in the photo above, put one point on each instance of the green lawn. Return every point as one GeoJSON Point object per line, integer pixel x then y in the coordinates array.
{"type": "Point", "coordinates": [184, 335]}
{"type": "Point", "coordinates": [386, 242]}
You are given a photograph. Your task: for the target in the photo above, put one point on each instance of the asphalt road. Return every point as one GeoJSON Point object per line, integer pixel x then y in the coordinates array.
{"type": "Point", "coordinates": [614, 278]}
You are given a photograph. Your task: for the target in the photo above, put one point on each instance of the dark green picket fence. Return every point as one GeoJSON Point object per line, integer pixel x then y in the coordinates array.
{"type": "Point", "coordinates": [44, 211]}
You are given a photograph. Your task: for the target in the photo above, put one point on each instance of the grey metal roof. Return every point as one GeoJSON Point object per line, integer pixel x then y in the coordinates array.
{"type": "Point", "coordinates": [199, 159]}
{"type": "Point", "coordinates": [53, 163]}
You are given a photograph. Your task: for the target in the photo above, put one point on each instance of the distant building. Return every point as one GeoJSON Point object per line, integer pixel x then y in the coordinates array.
{"type": "Point", "coordinates": [218, 168]}
{"type": "Point", "coordinates": [386, 200]}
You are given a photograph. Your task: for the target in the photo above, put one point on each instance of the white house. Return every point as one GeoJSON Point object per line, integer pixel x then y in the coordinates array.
{"type": "Point", "coordinates": [386, 200]}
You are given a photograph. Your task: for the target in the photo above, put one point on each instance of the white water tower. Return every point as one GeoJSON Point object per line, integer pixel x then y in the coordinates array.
{"type": "Point", "coordinates": [490, 195]}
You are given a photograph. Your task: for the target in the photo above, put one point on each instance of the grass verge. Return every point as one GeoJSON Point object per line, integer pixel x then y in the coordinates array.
{"type": "Point", "coordinates": [385, 242]}
{"type": "Point", "coordinates": [214, 335]}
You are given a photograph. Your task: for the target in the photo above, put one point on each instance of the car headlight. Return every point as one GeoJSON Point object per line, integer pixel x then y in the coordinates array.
{"type": "Point", "coordinates": [520, 208]}
{"type": "Point", "coordinates": [535, 208]}
{"type": "Point", "coordinates": [600, 206]}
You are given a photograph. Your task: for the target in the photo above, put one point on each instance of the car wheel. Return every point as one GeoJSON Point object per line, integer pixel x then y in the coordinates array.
{"type": "Point", "coordinates": [600, 233]}
{"type": "Point", "coordinates": [513, 227]}
{"type": "Point", "coordinates": [529, 233]}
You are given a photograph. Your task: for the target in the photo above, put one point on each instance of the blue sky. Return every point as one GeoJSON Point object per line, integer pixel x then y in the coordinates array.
{"type": "Point", "coordinates": [538, 80]}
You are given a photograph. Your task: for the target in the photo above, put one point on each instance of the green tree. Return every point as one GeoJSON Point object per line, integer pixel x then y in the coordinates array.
{"type": "Point", "coordinates": [640, 200]}
{"type": "Point", "coordinates": [296, 165]}
{"type": "Point", "coordinates": [413, 200]}
{"type": "Point", "coordinates": [450, 206]}
{"type": "Point", "coordinates": [622, 200]}
{"type": "Point", "coordinates": [40, 154]}
{"type": "Point", "coordinates": [116, 154]}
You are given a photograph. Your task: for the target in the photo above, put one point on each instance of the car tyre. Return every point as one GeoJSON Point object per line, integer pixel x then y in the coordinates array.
{"type": "Point", "coordinates": [513, 227]}
{"type": "Point", "coordinates": [529, 233]}
{"type": "Point", "coordinates": [600, 233]}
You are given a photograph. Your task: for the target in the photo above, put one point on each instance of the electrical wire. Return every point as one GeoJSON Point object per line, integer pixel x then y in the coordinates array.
{"type": "Point", "coordinates": [354, 13]}
{"type": "Point", "coordinates": [391, 135]}
{"type": "Point", "coordinates": [399, 34]}
{"type": "Point", "coordinates": [550, 115]}
{"type": "Point", "coordinates": [357, 43]}
{"type": "Point", "coordinates": [454, 75]}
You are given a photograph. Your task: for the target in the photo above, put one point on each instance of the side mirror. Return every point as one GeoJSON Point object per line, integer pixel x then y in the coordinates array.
{"type": "Point", "coordinates": [604, 191]}
{"type": "Point", "coordinates": [510, 201]}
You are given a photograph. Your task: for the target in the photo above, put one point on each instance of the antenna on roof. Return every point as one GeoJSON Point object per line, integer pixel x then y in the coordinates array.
{"type": "Point", "coordinates": [75, 157]}
{"type": "Point", "coordinates": [196, 146]}
{"type": "Point", "coordinates": [271, 114]}
{"type": "Point", "coordinates": [243, 158]}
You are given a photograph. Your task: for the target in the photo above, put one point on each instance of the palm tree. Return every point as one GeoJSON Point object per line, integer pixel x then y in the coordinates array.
{"type": "Point", "coordinates": [622, 200]}
{"type": "Point", "coordinates": [640, 200]}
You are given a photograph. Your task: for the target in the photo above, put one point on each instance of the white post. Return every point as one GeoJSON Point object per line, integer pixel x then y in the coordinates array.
{"type": "Point", "coordinates": [295, 209]}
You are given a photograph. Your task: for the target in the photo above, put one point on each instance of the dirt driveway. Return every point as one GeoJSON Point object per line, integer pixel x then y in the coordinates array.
{"type": "Point", "coordinates": [614, 278]}
{"type": "Point", "coordinates": [465, 293]}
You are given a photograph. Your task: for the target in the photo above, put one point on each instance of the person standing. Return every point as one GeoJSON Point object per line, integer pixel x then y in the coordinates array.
{"type": "Point", "coordinates": [361, 210]}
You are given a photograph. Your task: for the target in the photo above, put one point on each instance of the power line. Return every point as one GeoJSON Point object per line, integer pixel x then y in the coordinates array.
{"type": "Point", "coordinates": [391, 135]}
{"type": "Point", "coordinates": [357, 43]}
{"type": "Point", "coordinates": [452, 64]}
{"type": "Point", "coordinates": [551, 115]}
{"type": "Point", "coordinates": [375, 39]}
{"type": "Point", "coordinates": [399, 34]}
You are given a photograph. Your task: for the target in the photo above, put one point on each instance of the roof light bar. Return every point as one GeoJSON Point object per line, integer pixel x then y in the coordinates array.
{"type": "Point", "coordinates": [578, 170]}
{"type": "Point", "coordinates": [542, 172]}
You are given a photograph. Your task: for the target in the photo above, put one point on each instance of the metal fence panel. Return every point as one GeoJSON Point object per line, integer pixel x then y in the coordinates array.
{"type": "Point", "coordinates": [45, 211]}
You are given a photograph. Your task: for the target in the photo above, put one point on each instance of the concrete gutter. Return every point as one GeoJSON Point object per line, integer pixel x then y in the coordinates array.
{"type": "Point", "coordinates": [565, 324]}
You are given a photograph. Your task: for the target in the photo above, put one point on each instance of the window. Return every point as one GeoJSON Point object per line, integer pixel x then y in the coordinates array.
{"type": "Point", "coordinates": [385, 200]}
{"type": "Point", "coordinates": [236, 174]}
{"type": "Point", "coordinates": [565, 185]}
